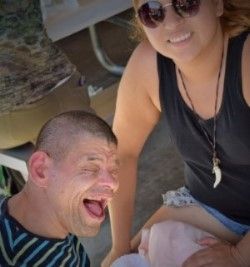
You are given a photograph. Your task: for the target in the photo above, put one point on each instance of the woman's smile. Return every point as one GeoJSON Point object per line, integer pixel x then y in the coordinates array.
{"type": "Point", "coordinates": [180, 38]}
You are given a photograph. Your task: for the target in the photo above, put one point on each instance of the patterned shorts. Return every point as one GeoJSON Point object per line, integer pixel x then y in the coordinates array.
{"type": "Point", "coordinates": [179, 198]}
{"type": "Point", "coordinates": [183, 198]}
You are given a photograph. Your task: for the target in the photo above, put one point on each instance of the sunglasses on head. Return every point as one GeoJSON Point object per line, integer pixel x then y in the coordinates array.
{"type": "Point", "coordinates": [153, 12]}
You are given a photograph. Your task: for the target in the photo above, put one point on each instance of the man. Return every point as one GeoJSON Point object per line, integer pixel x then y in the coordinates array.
{"type": "Point", "coordinates": [72, 177]}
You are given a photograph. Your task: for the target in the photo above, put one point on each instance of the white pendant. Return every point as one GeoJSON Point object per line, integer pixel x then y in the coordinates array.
{"type": "Point", "coordinates": [217, 172]}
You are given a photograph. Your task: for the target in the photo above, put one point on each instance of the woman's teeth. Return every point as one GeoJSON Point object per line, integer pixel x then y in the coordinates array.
{"type": "Point", "coordinates": [180, 38]}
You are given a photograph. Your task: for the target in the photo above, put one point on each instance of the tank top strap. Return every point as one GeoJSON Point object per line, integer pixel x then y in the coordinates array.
{"type": "Point", "coordinates": [233, 78]}
{"type": "Point", "coordinates": [167, 81]}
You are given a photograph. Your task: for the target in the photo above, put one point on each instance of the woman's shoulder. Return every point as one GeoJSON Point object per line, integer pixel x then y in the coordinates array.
{"type": "Point", "coordinates": [140, 83]}
{"type": "Point", "coordinates": [145, 47]}
{"type": "Point", "coordinates": [141, 71]}
{"type": "Point", "coordinates": [142, 65]}
{"type": "Point", "coordinates": [144, 55]}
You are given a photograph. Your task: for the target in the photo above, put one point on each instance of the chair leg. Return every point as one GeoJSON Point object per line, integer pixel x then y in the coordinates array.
{"type": "Point", "coordinates": [101, 54]}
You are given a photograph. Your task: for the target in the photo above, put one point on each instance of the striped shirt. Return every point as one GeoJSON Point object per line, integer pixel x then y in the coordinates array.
{"type": "Point", "coordinates": [19, 247]}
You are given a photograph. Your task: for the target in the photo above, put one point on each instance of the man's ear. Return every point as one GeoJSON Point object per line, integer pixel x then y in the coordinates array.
{"type": "Point", "coordinates": [38, 165]}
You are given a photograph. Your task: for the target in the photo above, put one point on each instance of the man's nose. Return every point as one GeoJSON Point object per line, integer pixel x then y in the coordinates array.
{"type": "Point", "coordinates": [109, 180]}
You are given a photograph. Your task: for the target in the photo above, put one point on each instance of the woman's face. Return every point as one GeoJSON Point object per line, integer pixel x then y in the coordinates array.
{"type": "Point", "coordinates": [183, 39]}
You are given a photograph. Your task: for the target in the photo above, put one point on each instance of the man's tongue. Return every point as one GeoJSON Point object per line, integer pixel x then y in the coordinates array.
{"type": "Point", "coordinates": [94, 207]}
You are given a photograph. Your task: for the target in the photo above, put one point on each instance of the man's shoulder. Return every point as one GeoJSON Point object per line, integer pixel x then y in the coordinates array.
{"type": "Point", "coordinates": [2, 197]}
{"type": "Point", "coordinates": [2, 200]}
{"type": "Point", "coordinates": [82, 253]}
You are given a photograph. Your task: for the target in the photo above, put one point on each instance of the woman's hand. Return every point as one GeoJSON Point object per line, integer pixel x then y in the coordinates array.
{"type": "Point", "coordinates": [216, 254]}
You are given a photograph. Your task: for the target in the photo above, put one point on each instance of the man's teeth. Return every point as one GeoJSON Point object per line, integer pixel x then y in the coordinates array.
{"type": "Point", "coordinates": [180, 38]}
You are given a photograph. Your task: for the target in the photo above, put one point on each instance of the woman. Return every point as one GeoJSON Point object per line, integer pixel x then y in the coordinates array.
{"type": "Point", "coordinates": [193, 66]}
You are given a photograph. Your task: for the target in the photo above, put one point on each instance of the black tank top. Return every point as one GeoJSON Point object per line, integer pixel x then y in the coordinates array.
{"type": "Point", "coordinates": [232, 195]}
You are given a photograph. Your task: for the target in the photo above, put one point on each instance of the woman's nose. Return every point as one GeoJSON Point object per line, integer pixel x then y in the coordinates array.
{"type": "Point", "coordinates": [172, 19]}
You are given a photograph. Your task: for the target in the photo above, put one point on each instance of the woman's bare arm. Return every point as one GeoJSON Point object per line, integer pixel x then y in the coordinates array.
{"type": "Point", "coordinates": [137, 112]}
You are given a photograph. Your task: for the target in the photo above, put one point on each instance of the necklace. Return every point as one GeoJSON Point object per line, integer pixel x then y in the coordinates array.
{"type": "Point", "coordinates": [216, 170]}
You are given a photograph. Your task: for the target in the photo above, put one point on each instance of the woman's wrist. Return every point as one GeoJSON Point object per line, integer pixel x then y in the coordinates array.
{"type": "Point", "coordinates": [235, 252]}
{"type": "Point", "coordinates": [120, 249]}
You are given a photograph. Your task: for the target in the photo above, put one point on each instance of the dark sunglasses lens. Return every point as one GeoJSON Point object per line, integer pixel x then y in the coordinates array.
{"type": "Point", "coordinates": [151, 13]}
{"type": "Point", "coordinates": [186, 8]}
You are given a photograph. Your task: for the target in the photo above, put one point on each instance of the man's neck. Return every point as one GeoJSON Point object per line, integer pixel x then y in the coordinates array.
{"type": "Point", "coordinates": [35, 215]}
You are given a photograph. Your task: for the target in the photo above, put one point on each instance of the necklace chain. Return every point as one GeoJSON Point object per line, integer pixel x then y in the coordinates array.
{"type": "Point", "coordinates": [215, 159]}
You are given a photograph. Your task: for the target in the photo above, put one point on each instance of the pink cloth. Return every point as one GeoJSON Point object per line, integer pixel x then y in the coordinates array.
{"type": "Point", "coordinates": [170, 243]}
{"type": "Point", "coordinates": [131, 260]}
{"type": "Point", "coordinates": [166, 244]}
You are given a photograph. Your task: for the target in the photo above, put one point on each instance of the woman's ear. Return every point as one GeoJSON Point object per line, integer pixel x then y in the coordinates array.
{"type": "Point", "coordinates": [38, 166]}
{"type": "Point", "coordinates": [219, 7]}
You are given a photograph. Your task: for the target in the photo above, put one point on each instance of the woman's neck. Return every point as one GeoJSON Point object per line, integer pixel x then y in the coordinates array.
{"type": "Point", "coordinates": [207, 64]}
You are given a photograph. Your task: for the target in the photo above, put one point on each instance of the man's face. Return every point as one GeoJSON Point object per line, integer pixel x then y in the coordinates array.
{"type": "Point", "coordinates": [81, 184]}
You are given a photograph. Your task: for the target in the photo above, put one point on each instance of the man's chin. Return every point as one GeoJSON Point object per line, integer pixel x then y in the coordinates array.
{"type": "Point", "coordinates": [89, 231]}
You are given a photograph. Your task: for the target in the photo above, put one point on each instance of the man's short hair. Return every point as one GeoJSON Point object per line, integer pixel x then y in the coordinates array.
{"type": "Point", "coordinates": [57, 135]}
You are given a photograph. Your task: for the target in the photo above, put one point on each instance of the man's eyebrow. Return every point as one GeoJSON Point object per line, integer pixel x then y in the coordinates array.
{"type": "Point", "coordinates": [93, 157]}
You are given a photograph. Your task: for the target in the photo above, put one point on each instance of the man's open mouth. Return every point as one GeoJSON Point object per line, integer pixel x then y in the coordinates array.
{"type": "Point", "coordinates": [95, 207]}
